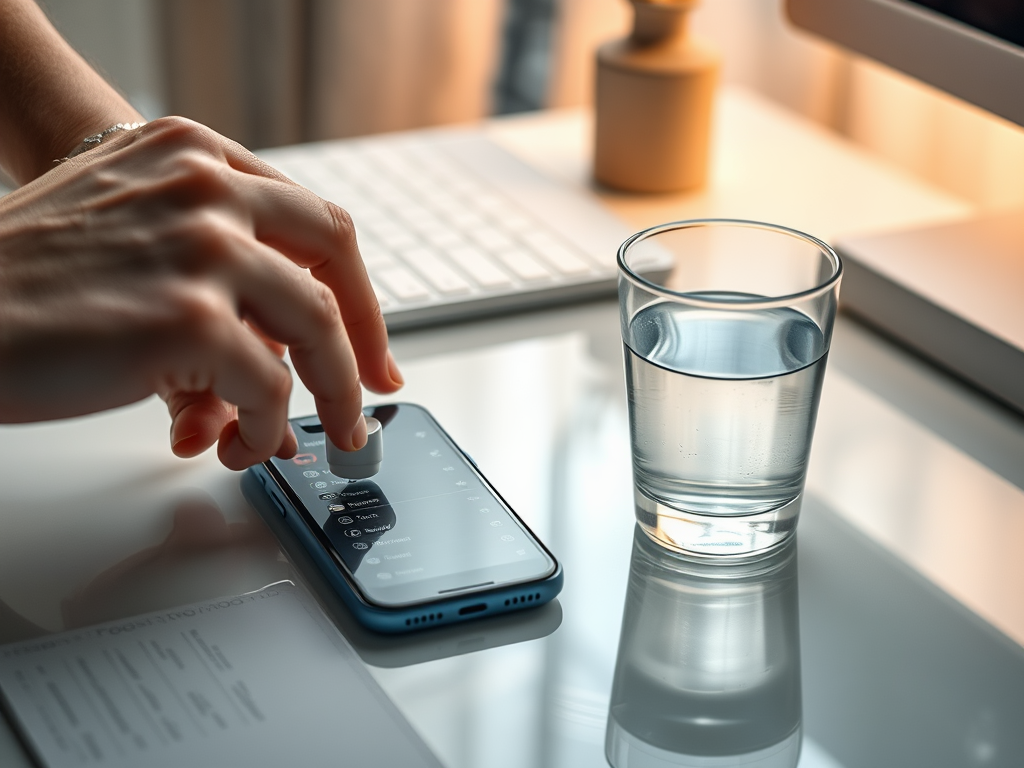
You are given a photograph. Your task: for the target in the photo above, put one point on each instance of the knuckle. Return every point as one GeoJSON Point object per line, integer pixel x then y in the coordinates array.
{"type": "Point", "coordinates": [199, 315]}
{"type": "Point", "coordinates": [372, 319]}
{"type": "Point", "coordinates": [353, 397]}
{"type": "Point", "coordinates": [190, 179]}
{"type": "Point", "coordinates": [324, 307]}
{"type": "Point", "coordinates": [279, 385]}
{"type": "Point", "coordinates": [344, 229]}
{"type": "Point", "coordinates": [186, 333]}
{"type": "Point", "coordinates": [206, 173]}
{"type": "Point", "coordinates": [179, 130]}
{"type": "Point", "coordinates": [207, 239]}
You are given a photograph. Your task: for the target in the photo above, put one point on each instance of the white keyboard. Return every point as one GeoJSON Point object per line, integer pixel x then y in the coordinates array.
{"type": "Point", "coordinates": [451, 226]}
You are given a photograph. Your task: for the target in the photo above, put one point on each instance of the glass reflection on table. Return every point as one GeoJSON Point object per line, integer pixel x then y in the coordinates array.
{"type": "Point", "coordinates": [708, 666]}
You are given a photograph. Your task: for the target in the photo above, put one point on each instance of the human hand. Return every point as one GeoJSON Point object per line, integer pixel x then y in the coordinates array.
{"type": "Point", "coordinates": [171, 260]}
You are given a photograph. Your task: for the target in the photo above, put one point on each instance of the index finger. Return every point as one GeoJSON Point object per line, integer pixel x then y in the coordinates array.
{"type": "Point", "coordinates": [319, 236]}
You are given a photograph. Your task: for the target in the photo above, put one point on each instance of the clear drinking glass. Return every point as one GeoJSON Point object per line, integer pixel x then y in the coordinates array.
{"type": "Point", "coordinates": [726, 326]}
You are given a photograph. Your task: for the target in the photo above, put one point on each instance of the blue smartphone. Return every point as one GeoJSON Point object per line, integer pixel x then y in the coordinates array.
{"type": "Point", "coordinates": [426, 541]}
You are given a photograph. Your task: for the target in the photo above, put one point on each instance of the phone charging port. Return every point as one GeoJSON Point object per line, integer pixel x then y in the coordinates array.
{"type": "Point", "coordinates": [473, 609]}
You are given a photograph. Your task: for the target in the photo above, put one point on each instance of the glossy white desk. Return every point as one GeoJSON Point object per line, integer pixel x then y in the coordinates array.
{"type": "Point", "coordinates": [915, 478]}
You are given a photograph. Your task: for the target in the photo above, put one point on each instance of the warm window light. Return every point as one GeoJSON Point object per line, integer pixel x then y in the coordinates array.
{"type": "Point", "coordinates": [950, 143]}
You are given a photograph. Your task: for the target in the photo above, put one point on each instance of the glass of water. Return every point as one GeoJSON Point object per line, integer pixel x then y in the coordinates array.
{"type": "Point", "coordinates": [726, 326]}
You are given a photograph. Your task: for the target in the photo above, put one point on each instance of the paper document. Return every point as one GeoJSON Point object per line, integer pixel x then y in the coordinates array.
{"type": "Point", "coordinates": [261, 679]}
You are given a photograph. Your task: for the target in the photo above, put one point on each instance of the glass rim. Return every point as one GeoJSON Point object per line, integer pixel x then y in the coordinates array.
{"type": "Point", "coordinates": [690, 299]}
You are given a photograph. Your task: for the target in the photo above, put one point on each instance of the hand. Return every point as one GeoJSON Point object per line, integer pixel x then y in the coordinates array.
{"type": "Point", "coordinates": [170, 260]}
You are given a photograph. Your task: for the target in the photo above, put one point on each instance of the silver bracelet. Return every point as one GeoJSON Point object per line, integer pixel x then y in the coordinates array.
{"type": "Point", "coordinates": [97, 138]}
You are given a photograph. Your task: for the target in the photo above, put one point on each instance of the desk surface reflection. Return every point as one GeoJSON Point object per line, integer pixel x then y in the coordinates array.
{"type": "Point", "coordinates": [708, 668]}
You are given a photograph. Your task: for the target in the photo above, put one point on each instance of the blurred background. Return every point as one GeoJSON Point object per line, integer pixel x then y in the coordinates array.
{"type": "Point", "coordinates": [272, 72]}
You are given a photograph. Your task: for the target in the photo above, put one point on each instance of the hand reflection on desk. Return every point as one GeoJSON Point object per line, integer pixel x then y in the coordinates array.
{"type": "Point", "coordinates": [708, 666]}
{"type": "Point", "coordinates": [203, 556]}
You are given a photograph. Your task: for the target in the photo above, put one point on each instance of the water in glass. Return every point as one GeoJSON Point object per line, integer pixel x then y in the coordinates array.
{"type": "Point", "coordinates": [722, 406]}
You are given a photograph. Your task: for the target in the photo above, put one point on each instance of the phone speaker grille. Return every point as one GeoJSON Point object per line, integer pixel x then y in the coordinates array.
{"type": "Point", "coordinates": [523, 599]}
{"type": "Point", "coordinates": [426, 618]}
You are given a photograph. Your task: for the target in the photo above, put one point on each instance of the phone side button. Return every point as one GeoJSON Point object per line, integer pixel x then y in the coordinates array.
{"type": "Point", "coordinates": [279, 504]}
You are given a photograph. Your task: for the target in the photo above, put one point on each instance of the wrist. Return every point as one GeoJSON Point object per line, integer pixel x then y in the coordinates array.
{"type": "Point", "coordinates": [95, 139]}
{"type": "Point", "coordinates": [69, 133]}
{"type": "Point", "coordinates": [62, 136]}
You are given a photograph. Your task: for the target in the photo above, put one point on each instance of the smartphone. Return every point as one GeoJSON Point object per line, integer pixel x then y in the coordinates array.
{"type": "Point", "coordinates": [427, 541]}
{"type": "Point", "coordinates": [406, 649]}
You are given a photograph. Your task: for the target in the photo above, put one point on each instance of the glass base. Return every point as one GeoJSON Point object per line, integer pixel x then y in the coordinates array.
{"type": "Point", "coordinates": [711, 537]}
{"type": "Point", "coordinates": [624, 750]}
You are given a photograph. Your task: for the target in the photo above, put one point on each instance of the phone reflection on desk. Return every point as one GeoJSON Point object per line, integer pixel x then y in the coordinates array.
{"type": "Point", "coordinates": [708, 666]}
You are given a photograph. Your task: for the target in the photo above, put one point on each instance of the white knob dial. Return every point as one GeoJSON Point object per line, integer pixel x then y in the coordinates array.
{"type": "Point", "coordinates": [361, 464]}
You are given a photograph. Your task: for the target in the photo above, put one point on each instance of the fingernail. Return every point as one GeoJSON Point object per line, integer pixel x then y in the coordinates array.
{"type": "Point", "coordinates": [180, 442]}
{"type": "Point", "coordinates": [232, 451]}
{"type": "Point", "coordinates": [359, 434]}
{"type": "Point", "coordinates": [393, 372]}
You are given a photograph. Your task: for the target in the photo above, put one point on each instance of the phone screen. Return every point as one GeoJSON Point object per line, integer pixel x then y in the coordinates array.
{"type": "Point", "coordinates": [425, 527]}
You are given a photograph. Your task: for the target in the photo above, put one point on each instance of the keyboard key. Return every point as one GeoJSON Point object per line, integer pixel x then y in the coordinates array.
{"type": "Point", "coordinates": [395, 163]}
{"type": "Point", "coordinates": [443, 237]}
{"type": "Point", "coordinates": [337, 154]}
{"type": "Point", "coordinates": [465, 219]}
{"type": "Point", "coordinates": [565, 260]}
{"type": "Point", "coordinates": [416, 214]}
{"type": "Point", "coordinates": [515, 223]}
{"type": "Point", "coordinates": [435, 270]}
{"type": "Point", "coordinates": [492, 239]}
{"type": "Point", "coordinates": [403, 284]}
{"type": "Point", "coordinates": [369, 221]}
{"type": "Point", "coordinates": [539, 240]}
{"type": "Point", "coordinates": [447, 207]}
{"type": "Point", "coordinates": [357, 170]}
{"type": "Point", "coordinates": [490, 203]}
{"type": "Point", "coordinates": [339, 193]}
{"type": "Point", "coordinates": [398, 201]}
{"type": "Point", "coordinates": [374, 255]}
{"type": "Point", "coordinates": [426, 224]}
{"type": "Point", "coordinates": [423, 187]}
{"type": "Point", "coordinates": [523, 265]}
{"type": "Point", "coordinates": [480, 267]}
{"type": "Point", "coordinates": [382, 190]}
{"type": "Point", "coordinates": [464, 188]}
{"type": "Point", "coordinates": [395, 236]}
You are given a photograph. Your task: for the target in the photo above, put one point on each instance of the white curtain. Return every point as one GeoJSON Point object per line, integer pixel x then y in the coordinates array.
{"type": "Point", "coordinates": [385, 65]}
{"type": "Point", "coordinates": [270, 72]}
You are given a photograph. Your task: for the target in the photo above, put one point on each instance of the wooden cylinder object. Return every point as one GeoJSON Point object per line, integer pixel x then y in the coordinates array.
{"type": "Point", "coordinates": [655, 91]}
